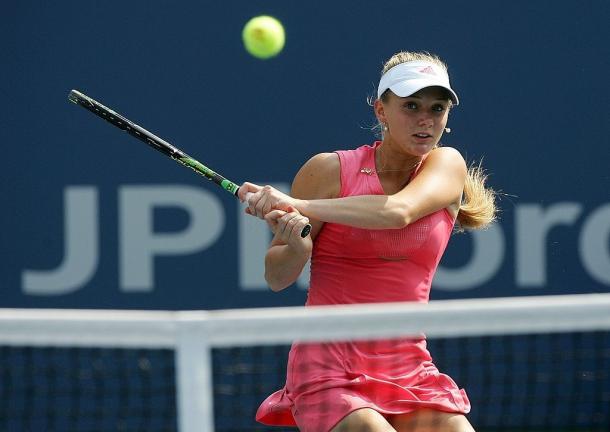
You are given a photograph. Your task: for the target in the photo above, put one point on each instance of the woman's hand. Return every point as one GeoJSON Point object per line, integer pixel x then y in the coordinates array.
{"type": "Point", "coordinates": [287, 228]}
{"type": "Point", "coordinates": [262, 200]}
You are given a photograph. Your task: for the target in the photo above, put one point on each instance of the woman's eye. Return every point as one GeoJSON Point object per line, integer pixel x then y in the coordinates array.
{"type": "Point", "coordinates": [411, 105]}
{"type": "Point", "coordinates": [438, 108]}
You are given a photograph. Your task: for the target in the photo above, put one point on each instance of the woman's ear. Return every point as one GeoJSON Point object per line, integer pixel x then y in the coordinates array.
{"type": "Point", "coordinates": [380, 111]}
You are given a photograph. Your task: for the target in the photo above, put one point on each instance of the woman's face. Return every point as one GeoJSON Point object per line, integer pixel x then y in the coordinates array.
{"type": "Point", "coordinates": [417, 122]}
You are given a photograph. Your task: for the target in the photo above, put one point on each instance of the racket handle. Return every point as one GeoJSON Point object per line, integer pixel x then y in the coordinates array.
{"type": "Point", "coordinates": [304, 232]}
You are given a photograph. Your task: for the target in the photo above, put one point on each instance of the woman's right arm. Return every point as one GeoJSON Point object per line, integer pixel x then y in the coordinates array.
{"type": "Point", "coordinates": [289, 252]}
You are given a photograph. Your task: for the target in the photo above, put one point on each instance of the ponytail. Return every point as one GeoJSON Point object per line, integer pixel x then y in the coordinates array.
{"type": "Point", "coordinates": [478, 208]}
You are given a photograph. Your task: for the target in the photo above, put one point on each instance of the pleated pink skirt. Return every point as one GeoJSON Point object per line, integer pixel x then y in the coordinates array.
{"type": "Point", "coordinates": [326, 382]}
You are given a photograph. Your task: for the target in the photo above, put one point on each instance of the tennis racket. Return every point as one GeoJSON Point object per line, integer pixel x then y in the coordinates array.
{"type": "Point", "coordinates": [157, 143]}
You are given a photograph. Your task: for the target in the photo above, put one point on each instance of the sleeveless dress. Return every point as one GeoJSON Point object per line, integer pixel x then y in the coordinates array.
{"type": "Point", "coordinates": [327, 381]}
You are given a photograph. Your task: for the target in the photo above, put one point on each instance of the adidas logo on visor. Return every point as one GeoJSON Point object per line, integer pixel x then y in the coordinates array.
{"type": "Point", "coordinates": [428, 70]}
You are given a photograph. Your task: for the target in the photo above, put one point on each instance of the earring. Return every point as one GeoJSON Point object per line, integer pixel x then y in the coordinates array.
{"type": "Point", "coordinates": [385, 127]}
{"type": "Point", "coordinates": [447, 130]}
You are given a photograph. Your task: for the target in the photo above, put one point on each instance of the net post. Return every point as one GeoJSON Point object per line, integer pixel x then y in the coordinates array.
{"type": "Point", "coordinates": [194, 391]}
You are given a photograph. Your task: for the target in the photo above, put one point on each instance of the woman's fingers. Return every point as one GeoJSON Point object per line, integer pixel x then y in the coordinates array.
{"type": "Point", "coordinates": [245, 189]}
{"type": "Point", "coordinates": [265, 200]}
{"type": "Point", "coordinates": [272, 219]}
{"type": "Point", "coordinates": [287, 225]}
{"type": "Point", "coordinates": [261, 200]}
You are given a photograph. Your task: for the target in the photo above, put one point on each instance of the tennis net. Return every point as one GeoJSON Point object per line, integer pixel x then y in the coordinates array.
{"type": "Point", "coordinates": [527, 364]}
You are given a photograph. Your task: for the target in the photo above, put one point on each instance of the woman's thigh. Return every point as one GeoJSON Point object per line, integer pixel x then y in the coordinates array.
{"type": "Point", "coordinates": [363, 420]}
{"type": "Point", "coordinates": [427, 420]}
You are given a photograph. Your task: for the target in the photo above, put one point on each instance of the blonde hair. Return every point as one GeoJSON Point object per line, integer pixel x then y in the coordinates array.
{"type": "Point", "coordinates": [478, 208]}
{"type": "Point", "coordinates": [407, 56]}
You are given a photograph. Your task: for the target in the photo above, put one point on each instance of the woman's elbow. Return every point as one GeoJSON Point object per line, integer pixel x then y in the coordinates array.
{"type": "Point", "coordinates": [398, 216]}
{"type": "Point", "coordinates": [276, 284]}
{"type": "Point", "coordinates": [277, 287]}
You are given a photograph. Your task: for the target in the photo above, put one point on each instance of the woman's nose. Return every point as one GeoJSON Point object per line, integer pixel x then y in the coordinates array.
{"type": "Point", "coordinates": [425, 121]}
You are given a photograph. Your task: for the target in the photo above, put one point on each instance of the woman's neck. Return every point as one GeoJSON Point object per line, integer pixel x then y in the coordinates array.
{"type": "Point", "coordinates": [391, 162]}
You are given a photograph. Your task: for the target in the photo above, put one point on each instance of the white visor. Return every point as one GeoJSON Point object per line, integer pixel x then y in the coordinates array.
{"type": "Point", "coordinates": [407, 78]}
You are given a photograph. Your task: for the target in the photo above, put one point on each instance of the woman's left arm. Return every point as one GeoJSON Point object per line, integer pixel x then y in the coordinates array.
{"type": "Point", "coordinates": [438, 185]}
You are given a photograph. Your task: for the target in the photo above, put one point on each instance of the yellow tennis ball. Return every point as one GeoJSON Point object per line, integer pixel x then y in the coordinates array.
{"type": "Point", "coordinates": [263, 36]}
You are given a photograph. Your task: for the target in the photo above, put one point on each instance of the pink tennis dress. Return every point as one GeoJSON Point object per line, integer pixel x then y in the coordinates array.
{"type": "Point", "coordinates": [325, 382]}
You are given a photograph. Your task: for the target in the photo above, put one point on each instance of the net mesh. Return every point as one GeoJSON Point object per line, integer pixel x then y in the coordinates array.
{"type": "Point", "coordinates": [535, 382]}
{"type": "Point", "coordinates": [555, 376]}
{"type": "Point", "coordinates": [86, 389]}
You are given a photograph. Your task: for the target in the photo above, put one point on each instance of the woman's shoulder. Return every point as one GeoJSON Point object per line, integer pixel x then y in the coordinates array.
{"type": "Point", "coordinates": [446, 156]}
{"type": "Point", "coordinates": [321, 164]}
{"type": "Point", "coordinates": [446, 152]}
{"type": "Point", "coordinates": [321, 160]}
{"type": "Point", "coordinates": [319, 176]}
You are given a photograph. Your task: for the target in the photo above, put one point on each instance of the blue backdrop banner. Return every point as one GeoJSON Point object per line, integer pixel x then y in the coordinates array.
{"type": "Point", "coordinates": [94, 219]}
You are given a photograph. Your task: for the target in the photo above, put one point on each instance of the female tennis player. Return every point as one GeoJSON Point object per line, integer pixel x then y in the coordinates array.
{"type": "Point", "coordinates": [381, 217]}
